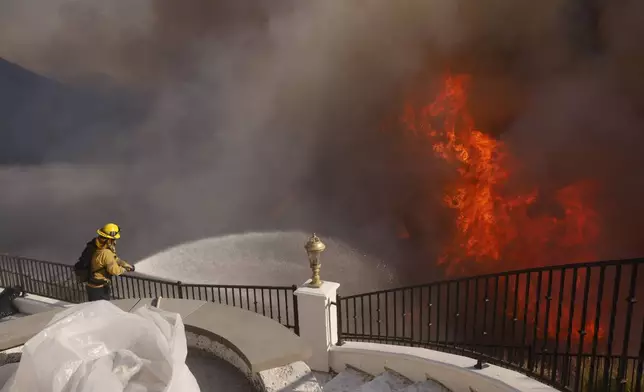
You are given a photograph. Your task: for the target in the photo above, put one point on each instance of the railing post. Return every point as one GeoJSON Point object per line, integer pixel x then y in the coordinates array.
{"type": "Point", "coordinates": [3, 267]}
{"type": "Point", "coordinates": [116, 287]}
{"type": "Point", "coordinates": [627, 330]}
{"type": "Point", "coordinates": [180, 287]}
{"type": "Point", "coordinates": [296, 313]}
{"type": "Point", "coordinates": [640, 363]}
{"type": "Point", "coordinates": [318, 324]}
{"type": "Point", "coordinates": [21, 275]}
{"type": "Point", "coordinates": [530, 357]}
{"type": "Point", "coordinates": [338, 308]}
{"type": "Point", "coordinates": [480, 364]}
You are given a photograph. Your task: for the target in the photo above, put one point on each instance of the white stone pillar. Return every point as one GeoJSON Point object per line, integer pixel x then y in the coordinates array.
{"type": "Point", "coordinates": [318, 321]}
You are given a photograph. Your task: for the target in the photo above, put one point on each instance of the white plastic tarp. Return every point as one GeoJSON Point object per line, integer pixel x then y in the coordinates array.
{"type": "Point", "coordinates": [97, 347]}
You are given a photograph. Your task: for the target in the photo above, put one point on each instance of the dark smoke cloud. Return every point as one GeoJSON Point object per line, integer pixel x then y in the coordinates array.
{"type": "Point", "coordinates": [250, 104]}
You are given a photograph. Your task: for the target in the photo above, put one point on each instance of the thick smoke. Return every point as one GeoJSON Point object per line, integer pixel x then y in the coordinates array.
{"type": "Point", "coordinates": [247, 100]}
{"type": "Point", "coordinates": [265, 114]}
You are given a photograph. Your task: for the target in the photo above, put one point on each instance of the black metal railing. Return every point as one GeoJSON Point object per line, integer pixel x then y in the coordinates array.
{"type": "Point", "coordinates": [577, 327]}
{"type": "Point", "coordinates": [55, 280]}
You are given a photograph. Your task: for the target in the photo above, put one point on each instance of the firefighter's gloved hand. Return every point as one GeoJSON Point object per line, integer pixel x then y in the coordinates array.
{"type": "Point", "coordinates": [130, 268]}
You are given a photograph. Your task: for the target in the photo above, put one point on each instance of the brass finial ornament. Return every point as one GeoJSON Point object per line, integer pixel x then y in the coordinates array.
{"type": "Point", "coordinates": [314, 247]}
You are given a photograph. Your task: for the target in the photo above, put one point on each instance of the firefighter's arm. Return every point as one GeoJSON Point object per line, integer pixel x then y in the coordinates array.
{"type": "Point", "coordinates": [124, 264]}
{"type": "Point", "coordinates": [111, 264]}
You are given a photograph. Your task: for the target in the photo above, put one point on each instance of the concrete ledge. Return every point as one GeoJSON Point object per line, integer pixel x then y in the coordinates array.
{"type": "Point", "coordinates": [10, 356]}
{"type": "Point", "coordinates": [292, 377]}
{"type": "Point", "coordinates": [454, 371]}
{"type": "Point", "coordinates": [261, 342]}
{"type": "Point", "coordinates": [14, 333]}
{"type": "Point", "coordinates": [295, 377]}
{"type": "Point", "coordinates": [32, 304]}
{"type": "Point", "coordinates": [269, 354]}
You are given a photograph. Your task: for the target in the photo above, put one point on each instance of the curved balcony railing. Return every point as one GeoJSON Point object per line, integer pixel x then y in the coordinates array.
{"type": "Point", "coordinates": [577, 327]}
{"type": "Point", "coordinates": [55, 280]}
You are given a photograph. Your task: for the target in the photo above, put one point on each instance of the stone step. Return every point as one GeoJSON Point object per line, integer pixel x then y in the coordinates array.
{"type": "Point", "coordinates": [426, 386]}
{"type": "Point", "coordinates": [388, 381]}
{"type": "Point", "coordinates": [347, 381]}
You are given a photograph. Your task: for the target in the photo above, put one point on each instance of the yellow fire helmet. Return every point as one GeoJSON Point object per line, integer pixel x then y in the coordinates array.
{"type": "Point", "coordinates": [110, 230]}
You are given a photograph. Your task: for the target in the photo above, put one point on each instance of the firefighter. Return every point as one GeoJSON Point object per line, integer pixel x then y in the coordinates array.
{"type": "Point", "coordinates": [105, 263]}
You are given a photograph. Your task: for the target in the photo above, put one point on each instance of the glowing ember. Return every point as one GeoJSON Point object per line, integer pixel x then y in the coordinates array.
{"type": "Point", "coordinates": [494, 227]}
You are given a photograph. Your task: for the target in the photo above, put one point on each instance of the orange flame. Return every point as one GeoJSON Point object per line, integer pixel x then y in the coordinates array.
{"type": "Point", "coordinates": [493, 227]}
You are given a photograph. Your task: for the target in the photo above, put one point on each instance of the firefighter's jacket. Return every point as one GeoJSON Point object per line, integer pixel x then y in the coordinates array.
{"type": "Point", "coordinates": [105, 264]}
